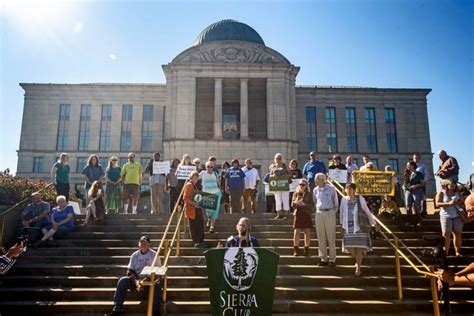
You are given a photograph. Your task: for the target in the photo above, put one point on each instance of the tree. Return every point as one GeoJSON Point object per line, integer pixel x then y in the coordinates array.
{"type": "Point", "coordinates": [240, 266]}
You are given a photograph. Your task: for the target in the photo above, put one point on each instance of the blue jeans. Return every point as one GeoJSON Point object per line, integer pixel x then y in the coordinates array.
{"type": "Point", "coordinates": [125, 283]}
{"type": "Point", "coordinates": [413, 197]}
{"type": "Point", "coordinates": [32, 232]}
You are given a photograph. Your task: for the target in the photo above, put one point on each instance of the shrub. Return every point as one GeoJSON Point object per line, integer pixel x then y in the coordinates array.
{"type": "Point", "coordinates": [15, 189]}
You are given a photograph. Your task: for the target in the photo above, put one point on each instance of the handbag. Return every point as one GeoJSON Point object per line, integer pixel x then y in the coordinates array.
{"type": "Point", "coordinates": [364, 223]}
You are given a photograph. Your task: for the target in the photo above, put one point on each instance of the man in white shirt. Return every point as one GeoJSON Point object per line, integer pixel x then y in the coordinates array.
{"type": "Point", "coordinates": [141, 258]}
{"type": "Point", "coordinates": [351, 166]}
{"type": "Point", "coordinates": [251, 183]}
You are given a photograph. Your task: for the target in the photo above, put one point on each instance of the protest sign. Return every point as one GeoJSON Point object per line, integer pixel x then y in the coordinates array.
{"type": "Point", "coordinates": [294, 184]}
{"type": "Point", "coordinates": [279, 184]}
{"type": "Point", "coordinates": [207, 200]}
{"type": "Point", "coordinates": [183, 172]}
{"type": "Point", "coordinates": [161, 167]}
{"type": "Point", "coordinates": [338, 175]}
{"type": "Point", "coordinates": [374, 182]}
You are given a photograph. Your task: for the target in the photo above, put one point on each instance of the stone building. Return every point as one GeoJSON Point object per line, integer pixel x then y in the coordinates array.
{"type": "Point", "coordinates": [229, 95]}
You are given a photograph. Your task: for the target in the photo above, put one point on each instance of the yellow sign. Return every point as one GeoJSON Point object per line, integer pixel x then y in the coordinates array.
{"type": "Point", "coordinates": [374, 182]}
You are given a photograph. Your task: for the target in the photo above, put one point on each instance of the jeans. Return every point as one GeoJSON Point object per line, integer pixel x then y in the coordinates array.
{"type": "Point", "coordinates": [413, 197]}
{"type": "Point", "coordinates": [125, 283]}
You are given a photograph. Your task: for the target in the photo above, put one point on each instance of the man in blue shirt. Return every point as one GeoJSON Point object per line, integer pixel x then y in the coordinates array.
{"type": "Point", "coordinates": [33, 216]}
{"type": "Point", "coordinates": [234, 184]}
{"type": "Point", "coordinates": [312, 167]}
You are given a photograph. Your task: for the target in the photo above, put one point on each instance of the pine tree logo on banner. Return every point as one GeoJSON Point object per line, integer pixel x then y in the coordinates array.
{"type": "Point", "coordinates": [240, 267]}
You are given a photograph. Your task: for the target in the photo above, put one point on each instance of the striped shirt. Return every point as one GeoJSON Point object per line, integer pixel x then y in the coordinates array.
{"type": "Point", "coordinates": [325, 197]}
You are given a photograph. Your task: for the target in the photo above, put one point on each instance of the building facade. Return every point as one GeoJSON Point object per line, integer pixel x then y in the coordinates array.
{"type": "Point", "coordinates": [230, 96]}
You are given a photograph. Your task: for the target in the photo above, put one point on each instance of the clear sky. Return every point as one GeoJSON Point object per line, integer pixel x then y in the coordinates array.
{"type": "Point", "coordinates": [376, 43]}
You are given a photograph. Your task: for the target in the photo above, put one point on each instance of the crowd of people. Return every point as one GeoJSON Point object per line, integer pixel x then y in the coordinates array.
{"type": "Point", "coordinates": [237, 187]}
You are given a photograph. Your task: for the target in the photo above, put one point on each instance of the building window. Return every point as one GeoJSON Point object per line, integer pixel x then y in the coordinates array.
{"type": "Point", "coordinates": [394, 164]}
{"type": "Point", "coordinates": [84, 127]}
{"type": "Point", "coordinates": [104, 161]}
{"type": "Point", "coordinates": [331, 134]}
{"type": "Point", "coordinates": [311, 142]}
{"type": "Point", "coordinates": [105, 127]}
{"type": "Point", "coordinates": [63, 127]}
{"type": "Point", "coordinates": [351, 130]}
{"type": "Point", "coordinates": [391, 130]}
{"type": "Point", "coordinates": [144, 162]}
{"type": "Point", "coordinates": [38, 164]}
{"type": "Point", "coordinates": [81, 163]}
{"type": "Point", "coordinates": [123, 160]}
{"type": "Point", "coordinates": [147, 128]}
{"type": "Point", "coordinates": [370, 128]}
{"type": "Point", "coordinates": [126, 137]}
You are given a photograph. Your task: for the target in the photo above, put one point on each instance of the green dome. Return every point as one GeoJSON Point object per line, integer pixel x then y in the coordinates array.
{"type": "Point", "coordinates": [228, 30]}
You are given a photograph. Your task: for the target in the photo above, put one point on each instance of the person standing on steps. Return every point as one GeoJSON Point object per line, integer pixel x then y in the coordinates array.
{"type": "Point", "coordinates": [60, 175]}
{"type": "Point", "coordinates": [132, 178]}
{"type": "Point", "coordinates": [193, 212]}
{"type": "Point", "coordinates": [157, 186]}
{"type": "Point", "coordinates": [354, 240]}
{"type": "Point", "coordinates": [140, 259]}
{"type": "Point", "coordinates": [303, 205]}
{"type": "Point", "coordinates": [327, 203]}
{"type": "Point", "coordinates": [234, 183]}
{"type": "Point", "coordinates": [312, 167]}
{"type": "Point", "coordinates": [282, 198]}
{"type": "Point", "coordinates": [251, 184]}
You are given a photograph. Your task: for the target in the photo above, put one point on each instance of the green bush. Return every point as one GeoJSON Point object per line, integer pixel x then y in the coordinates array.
{"type": "Point", "coordinates": [15, 189]}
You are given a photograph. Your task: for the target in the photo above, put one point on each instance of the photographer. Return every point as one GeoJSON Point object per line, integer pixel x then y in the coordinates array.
{"type": "Point", "coordinates": [463, 277]}
{"type": "Point", "coordinates": [7, 260]}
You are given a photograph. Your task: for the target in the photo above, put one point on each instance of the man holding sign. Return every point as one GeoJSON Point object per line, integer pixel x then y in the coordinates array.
{"type": "Point", "coordinates": [157, 182]}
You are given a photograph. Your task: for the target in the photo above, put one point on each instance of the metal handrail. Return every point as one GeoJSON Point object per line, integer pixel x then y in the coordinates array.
{"type": "Point", "coordinates": [166, 245]}
{"type": "Point", "coordinates": [398, 252]}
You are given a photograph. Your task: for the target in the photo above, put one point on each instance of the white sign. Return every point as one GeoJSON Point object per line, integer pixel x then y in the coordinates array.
{"type": "Point", "coordinates": [75, 207]}
{"type": "Point", "coordinates": [161, 167]}
{"type": "Point", "coordinates": [267, 189]}
{"type": "Point", "coordinates": [183, 172]}
{"type": "Point", "coordinates": [294, 184]}
{"type": "Point", "coordinates": [338, 175]}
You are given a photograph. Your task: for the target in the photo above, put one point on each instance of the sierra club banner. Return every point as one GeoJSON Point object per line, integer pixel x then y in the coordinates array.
{"type": "Point", "coordinates": [279, 184]}
{"type": "Point", "coordinates": [206, 200]}
{"type": "Point", "coordinates": [242, 281]}
{"type": "Point", "coordinates": [374, 182]}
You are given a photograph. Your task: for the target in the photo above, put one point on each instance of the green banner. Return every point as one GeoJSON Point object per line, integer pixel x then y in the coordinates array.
{"type": "Point", "coordinates": [242, 281]}
{"type": "Point", "coordinates": [207, 200]}
{"type": "Point", "coordinates": [279, 184]}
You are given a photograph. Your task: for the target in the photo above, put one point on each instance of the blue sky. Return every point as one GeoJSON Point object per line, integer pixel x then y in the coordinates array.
{"type": "Point", "coordinates": [396, 44]}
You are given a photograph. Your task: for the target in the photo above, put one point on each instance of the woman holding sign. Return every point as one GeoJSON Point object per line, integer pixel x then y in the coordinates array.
{"type": "Point", "coordinates": [193, 211]}
{"type": "Point", "coordinates": [303, 205]}
{"type": "Point", "coordinates": [210, 184]}
{"type": "Point", "coordinates": [182, 173]}
{"type": "Point", "coordinates": [355, 219]}
{"type": "Point", "coordinates": [278, 171]}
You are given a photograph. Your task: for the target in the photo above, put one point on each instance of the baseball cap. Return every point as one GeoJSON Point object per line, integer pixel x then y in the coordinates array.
{"type": "Point", "coordinates": [145, 237]}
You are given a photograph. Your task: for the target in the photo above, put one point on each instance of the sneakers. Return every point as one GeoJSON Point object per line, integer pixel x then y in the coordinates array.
{"type": "Point", "coordinates": [358, 271]}
{"type": "Point", "coordinates": [211, 230]}
{"type": "Point", "coordinates": [332, 264]}
{"type": "Point", "coordinates": [117, 310]}
{"type": "Point", "coordinates": [322, 264]}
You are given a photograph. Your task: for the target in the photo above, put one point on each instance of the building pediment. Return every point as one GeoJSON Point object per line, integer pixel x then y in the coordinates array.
{"type": "Point", "coordinates": [230, 52]}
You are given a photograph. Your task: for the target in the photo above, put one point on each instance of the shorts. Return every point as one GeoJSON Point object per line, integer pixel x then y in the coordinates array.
{"type": "Point", "coordinates": [451, 224]}
{"type": "Point", "coordinates": [131, 189]}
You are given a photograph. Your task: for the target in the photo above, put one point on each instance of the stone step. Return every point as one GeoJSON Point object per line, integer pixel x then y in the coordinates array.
{"type": "Point", "coordinates": [202, 293]}
{"type": "Point", "coordinates": [280, 306]}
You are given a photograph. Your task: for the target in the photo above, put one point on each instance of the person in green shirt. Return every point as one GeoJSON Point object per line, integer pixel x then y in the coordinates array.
{"type": "Point", "coordinates": [60, 175]}
{"type": "Point", "coordinates": [413, 186]}
{"type": "Point", "coordinates": [132, 178]}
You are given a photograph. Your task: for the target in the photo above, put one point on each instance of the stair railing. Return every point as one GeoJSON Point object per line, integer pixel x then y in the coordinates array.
{"type": "Point", "coordinates": [167, 246]}
{"type": "Point", "coordinates": [397, 244]}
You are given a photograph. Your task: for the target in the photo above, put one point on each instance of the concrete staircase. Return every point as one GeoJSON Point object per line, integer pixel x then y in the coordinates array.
{"type": "Point", "coordinates": [79, 277]}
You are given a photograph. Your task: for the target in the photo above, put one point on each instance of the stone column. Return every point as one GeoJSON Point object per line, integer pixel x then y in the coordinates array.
{"type": "Point", "coordinates": [244, 109]}
{"type": "Point", "coordinates": [218, 108]}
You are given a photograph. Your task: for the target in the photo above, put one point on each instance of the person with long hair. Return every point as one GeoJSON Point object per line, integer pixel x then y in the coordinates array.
{"type": "Point", "coordinates": [282, 198]}
{"type": "Point", "coordinates": [113, 186]}
{"type": "Point", "coordinates": [413, 185]}
{"type": "Point", "coordinates": [185, 161]}
{"type": "Point", "coordinates": [96, 203]}
{"type": "Point", "coordinates": [354, 240]}
{"type": "Point", "coordinates": [295, 174]}
{"type": "Point", "coordinates": [60, 175]}
{"type": "Point", "coordinates": [210, 184]}
{"type": "Point", "coordinates": [303, 206]}
{"type": "Point", "coordinates": [93, 171]}
{"type": "Point", "coordinates": [448, 200]}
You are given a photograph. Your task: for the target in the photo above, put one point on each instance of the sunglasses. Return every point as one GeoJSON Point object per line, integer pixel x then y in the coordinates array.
{"type": "Point", "coordinates": [303, 184]}
{"type": "Point", "coordinates": [278, 158]}
{"type": "Point", "coordinates": [209, 167]}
